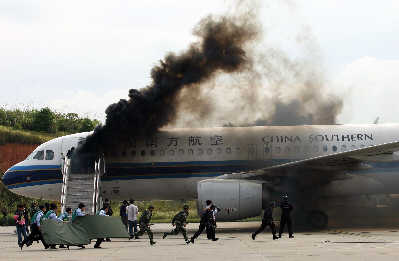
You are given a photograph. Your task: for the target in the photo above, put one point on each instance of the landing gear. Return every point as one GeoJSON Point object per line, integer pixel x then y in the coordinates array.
{"type": "Point", "coordinates": [318, 219]}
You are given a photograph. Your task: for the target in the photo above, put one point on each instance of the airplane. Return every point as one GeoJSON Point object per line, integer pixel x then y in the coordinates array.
{"type": "Point", "coordinates": [239, 168]}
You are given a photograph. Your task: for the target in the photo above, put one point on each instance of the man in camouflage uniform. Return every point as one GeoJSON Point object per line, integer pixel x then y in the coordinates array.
{"type": "Point", "coordinates": [145, 225]}
{"type": "Point", "coordinates": [180, 221]}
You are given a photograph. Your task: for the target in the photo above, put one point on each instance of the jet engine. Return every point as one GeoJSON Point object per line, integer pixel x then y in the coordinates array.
{"type": "Point", "coordinates": [237, 199]}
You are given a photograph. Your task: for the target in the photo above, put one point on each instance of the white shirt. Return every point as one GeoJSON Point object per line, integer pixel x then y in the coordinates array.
{"type": "Point", "coordinates": [79, 213]}
{"type": "Point", "coordinates": [102, 213]}
{"type": "Point", "coordinates": [132, 212]}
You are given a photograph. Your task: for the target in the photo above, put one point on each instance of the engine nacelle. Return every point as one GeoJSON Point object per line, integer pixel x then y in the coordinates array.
{"type": "Point", "coordinates": [238, 199]}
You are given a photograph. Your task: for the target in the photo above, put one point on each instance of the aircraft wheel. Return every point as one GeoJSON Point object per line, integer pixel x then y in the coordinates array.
{"type": "Point", "coordinates": [318, 219]}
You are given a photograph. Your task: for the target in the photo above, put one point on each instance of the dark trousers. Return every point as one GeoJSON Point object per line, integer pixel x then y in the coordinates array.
{"type": "Point", "coordinates": [201, 228]}
{"type": "Point", "coordinates": [21, 231]}
{"type": "Point", "coordinates": [143, 229]}
{"type": "Point", "coordinates": [124, 221]}
{"type": "Point", "coordinates": [266, 223]}
{"type": "Point", "coordinates": [285, 220]}
{"type": "Point", "coordinates": [132, 224]}
{"type": "Point", "coordinates": [211, 231]}
{"type": "Point", "coordinates": [177, 230]}
{"type": "Point", "coordinates": [98, 242]}
{"type": "Point", "coordinates": [34, 235]}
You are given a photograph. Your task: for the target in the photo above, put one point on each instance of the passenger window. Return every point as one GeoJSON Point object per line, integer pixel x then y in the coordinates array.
{"type": "Point", "coordinates": [228, 150]}
{"type": "Point", "coordinates": [334, 148]}
{"type": "Point", "coordinates": [49, 155]}
{"type": "Point", "coordinates": [325, 147]}
{"type": "Point", "coordinates": [362, 146]}
{"type": "Point", "coordinates": [142, 153]}
{"type": "Point", "coordinates": [39, 155]}
{"type": "Point", "coordinates": [353, 147]}
{"type": "Point", "coordinates": [267, 150]}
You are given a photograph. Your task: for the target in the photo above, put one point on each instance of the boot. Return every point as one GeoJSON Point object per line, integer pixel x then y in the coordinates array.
{"type": "Point", "coordinates": [152, 242]}
{"type": "Point", "coordinates": [192, 240]}
{"type": "Point", "coordinates": [164, 235]}
{"type": "Point", "coordinates": [275, 237]}
{"type": "Point", "coordinates": [253, 236]}
{"type": "Point", "coordinates": [187, 241]}
{"type": "Point", "coordinates": [291, 236]}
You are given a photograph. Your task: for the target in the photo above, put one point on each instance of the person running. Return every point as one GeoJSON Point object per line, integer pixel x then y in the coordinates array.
{"type": "Point", "coordinates": [35, 234]}
{"type": "Point", "coordinates": [180, 221]}
{"type": "Point", "coordinates": [79, 212]}
{"type": "Point", "coordinates": [145, 225]}
{"type": "Point", "coordinates": [65, 217]}
{"type": "Point", "coordinates": [267, 220]}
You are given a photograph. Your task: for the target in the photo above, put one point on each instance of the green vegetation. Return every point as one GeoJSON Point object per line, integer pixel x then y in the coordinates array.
{"type": "Point", "coordinates": [9, 135]}
{"type": "Point", "coordinates": [45, 120]}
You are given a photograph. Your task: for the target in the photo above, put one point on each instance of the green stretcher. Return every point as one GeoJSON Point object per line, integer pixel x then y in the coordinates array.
{"type": "Point", "coordinates": [82, 230]}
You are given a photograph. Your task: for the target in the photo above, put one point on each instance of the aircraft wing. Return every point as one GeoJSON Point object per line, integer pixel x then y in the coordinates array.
{"type": "Point", "coordinates": [334, 163]}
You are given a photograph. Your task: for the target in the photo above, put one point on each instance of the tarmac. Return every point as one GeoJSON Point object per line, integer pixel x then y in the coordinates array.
{"type": "Point", "coordinates": [235, 243]}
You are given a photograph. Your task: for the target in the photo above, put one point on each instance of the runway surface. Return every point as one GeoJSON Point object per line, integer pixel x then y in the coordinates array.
{"type": "Point", "coordinates": [234, 243]}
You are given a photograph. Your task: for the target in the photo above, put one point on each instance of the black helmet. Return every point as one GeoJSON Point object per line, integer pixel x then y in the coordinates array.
{"type": "Point", "coordinates": [186, 207]}
{"type": "Point", "coordinates": [151, 207]}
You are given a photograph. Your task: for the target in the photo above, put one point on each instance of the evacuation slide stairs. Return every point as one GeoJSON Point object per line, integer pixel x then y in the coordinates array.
{"type": "Point", "coordinates": [82, 187]}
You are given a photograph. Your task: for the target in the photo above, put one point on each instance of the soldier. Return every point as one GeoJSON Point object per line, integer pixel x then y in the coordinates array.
{"type": "Point", "coordinates": [286, 209]}
{"type": "Point", "coordinates": [267, 220]}
{"type": "Point", "coordinates": [35, 234]}
{"type": "Point", "coordinates": [180, 221]}
{"type": "Point", "coordinates": [144, 224]}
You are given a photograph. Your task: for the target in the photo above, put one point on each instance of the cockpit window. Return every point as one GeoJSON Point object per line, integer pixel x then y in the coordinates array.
{"type": "Point", "coordinates": [39, 155]}
{"type": "Point", "coordinates": [49, 155]}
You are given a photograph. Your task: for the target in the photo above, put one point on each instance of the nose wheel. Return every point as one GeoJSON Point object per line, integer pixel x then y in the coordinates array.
{"type": "Point", "coordinates": [318, 219]}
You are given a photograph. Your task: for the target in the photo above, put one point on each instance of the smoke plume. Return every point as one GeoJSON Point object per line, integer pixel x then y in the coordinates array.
{"type": "Point", "coordinates": [220, 48]}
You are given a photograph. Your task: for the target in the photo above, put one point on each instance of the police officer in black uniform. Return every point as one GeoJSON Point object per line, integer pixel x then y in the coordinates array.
{"type": "Point", "coordinates": [267, 220]}
{"type": "Point", "coordinates": [286, 209]}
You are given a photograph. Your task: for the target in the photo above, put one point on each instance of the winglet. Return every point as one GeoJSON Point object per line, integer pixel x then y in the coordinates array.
{"type": "Point", "coordinates": [376, 120]}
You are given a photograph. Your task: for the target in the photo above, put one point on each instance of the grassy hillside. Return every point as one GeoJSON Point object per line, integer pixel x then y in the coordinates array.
{"type": "Point", "coordinates": [9, 135]}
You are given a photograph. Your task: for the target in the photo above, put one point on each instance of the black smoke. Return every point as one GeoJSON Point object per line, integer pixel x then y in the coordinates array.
{"type": "Point", "coordinates": [220, 48]}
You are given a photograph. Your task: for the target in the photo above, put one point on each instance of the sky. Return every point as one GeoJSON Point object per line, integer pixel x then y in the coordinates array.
{"type": "Point", "coordinates": [80, 56]}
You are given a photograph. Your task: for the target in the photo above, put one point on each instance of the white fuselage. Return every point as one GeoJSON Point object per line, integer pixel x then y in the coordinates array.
{"type": "Point", "coordinates": [169, 165]}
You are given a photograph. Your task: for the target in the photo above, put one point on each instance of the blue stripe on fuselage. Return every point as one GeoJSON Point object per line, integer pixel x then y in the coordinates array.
{"type": "Point", "coordinates": [22, 176]}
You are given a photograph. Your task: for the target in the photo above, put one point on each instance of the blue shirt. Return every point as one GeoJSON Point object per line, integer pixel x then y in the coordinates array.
{"type": "Point", "coordinates": [38, 218]}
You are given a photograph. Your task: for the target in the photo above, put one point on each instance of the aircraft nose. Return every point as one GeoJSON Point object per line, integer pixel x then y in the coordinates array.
{"type": "Point", "coordinates": [7, 178]}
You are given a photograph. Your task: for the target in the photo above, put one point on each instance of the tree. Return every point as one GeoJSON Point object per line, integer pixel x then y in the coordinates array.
{"type": "Point", "coordinates": [44, 121]}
